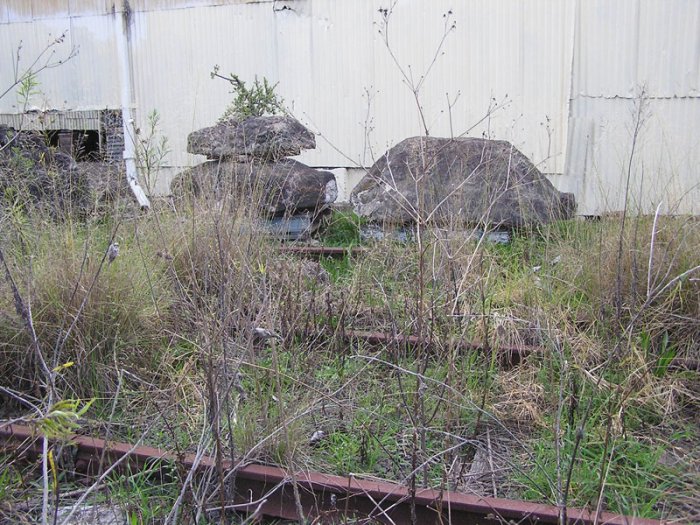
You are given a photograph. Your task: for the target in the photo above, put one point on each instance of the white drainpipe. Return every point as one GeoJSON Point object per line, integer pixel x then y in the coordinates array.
{"type": "Point", "coordinates": [122, 28]}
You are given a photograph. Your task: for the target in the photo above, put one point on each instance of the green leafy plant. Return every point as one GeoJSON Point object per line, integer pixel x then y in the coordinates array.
{"type": "Point", "coordinates": [63, 418]}
{"type": "Point", "coordinates": [342, 229]}
{"type": "Point", "coordinates": [151, 149]}
{"type": "Point", "coordinates": [255, 101]}
{"type": "Point", "coordinates": [9, 478]}
{"type": "Point", "coordinates": [27, 89]}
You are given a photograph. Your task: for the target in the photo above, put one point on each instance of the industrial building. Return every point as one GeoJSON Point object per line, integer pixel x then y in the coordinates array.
{"type": "Point", "coordinates": [603, 96]}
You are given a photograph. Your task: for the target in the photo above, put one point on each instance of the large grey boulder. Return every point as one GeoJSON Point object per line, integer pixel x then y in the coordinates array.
{"type": "Point", "coordinates": [285, 186]}
{"type": "Point", "coordinates": [267, 137]}
{"type": "Point", "coordinates": [464, 180]}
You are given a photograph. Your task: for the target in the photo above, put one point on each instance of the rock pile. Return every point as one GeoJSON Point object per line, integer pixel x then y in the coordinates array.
{"type": "Point", "coordinates": [32, 172]}
{"type": "Point", "coordinates": [459, 181]}
{"type": "Point", "coordinates": [248, 158]}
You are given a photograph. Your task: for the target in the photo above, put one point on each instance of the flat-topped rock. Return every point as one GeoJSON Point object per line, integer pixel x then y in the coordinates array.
{"type": "Point", "coordinates": [267, 137]}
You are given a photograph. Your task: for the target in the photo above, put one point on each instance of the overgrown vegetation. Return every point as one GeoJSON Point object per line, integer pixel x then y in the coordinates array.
{"type": "Point", "coordinates": [342, 228]}
{"type": "Point", "coordinates": [255, 101]}
{"type": "Point", "coordinates": [561, 367]}
{"type": "Point", "coordinates": [162, 340]}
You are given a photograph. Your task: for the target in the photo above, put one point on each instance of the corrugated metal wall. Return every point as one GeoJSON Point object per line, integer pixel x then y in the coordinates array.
{"type": "Point", "coordinates": [89, 81]}
{"type": "Point", "coordinates": [630, 53]}
{"type": "Point", "coordinates": [565, 76]}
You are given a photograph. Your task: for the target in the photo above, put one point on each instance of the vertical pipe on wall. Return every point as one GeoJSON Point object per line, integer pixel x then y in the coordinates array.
{"type": "Point", "coordinates": [122, 21]}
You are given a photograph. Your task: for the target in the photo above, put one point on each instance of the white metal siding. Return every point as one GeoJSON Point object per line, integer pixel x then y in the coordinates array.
{"type": "Point", "coordinates": [88, 81]}
{"type": "Point", "coordinates": [328, 56]}
{"type": "Point", "coordinates": [566, 72]}
{"type": "Point", "coordinates": [626, 52]}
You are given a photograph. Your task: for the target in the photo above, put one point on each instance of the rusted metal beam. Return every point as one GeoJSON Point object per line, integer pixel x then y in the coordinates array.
{"type": "Point", "coordinates": [507, 355]}
{"type": "Point", "coordinates": [326, 498]}
{"type": "Point", "coordinates": [317, 252]}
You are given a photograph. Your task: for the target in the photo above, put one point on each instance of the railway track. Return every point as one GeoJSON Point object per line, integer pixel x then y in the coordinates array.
{"type": "Point", "coordinates": [507, 355]}
{"type": "Point", "coordinates": [319, 252]}
{"type": "Point", "coordinates": [268, 491]}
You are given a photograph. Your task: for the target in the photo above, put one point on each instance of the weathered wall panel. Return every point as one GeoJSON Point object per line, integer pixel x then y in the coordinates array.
{"type": "Point", "coordinates": [669, 48]}
{"type": "Point", "coordinates": [329, 58]}
{"type": "Point", "coordinates": [563, 76]}
{"type": "Point", "coordinates": [87, 81]}
{"type": "Point", "coordinates": [96, 81]}
{"type": "Point", "coordinates": [629, 53]}
{"type": "Point", "coordinates": [664, 161]}
{"type": "Point", "coordinates": [19, 10]}
{"type": "Point", "coordinates": [29, 40]}
{"type": "Point", "coordinates": [49, 8]}
{"type": "Point", "coordinates": [90, 7]}
{"type": "Point", "coordinates": [627, 44]}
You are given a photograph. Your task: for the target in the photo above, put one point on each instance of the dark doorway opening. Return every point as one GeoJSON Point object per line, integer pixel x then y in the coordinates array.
{"type": "Point", "coordinates": [82, 145]}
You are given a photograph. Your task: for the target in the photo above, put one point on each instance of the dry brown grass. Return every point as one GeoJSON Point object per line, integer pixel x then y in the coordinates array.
{"type": "Point", "coordinates": [167, 327]}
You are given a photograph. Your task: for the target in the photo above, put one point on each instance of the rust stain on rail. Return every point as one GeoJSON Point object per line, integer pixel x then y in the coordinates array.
{"type": "Point", "coordinates": [326, 498]}
{"type": "Point", "coordinates": [507, 355]}
{"type": "Point", "coordinates": [318, 252]}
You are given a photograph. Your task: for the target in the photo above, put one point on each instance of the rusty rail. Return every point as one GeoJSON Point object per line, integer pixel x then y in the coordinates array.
{"type": "Point", "coordinates": [325, 498]}
{"type": "Point", "coordinates": [507, 355]}
{"type": "Point", "coordinates": [318, 252]}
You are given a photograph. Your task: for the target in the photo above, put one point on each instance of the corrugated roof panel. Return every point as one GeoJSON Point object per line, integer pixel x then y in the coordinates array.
{"type": "Point", "coordinates": [77, 120]}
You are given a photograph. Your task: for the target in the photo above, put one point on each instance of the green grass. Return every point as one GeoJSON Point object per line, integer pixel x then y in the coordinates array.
{"type": "Point", "coordinates": [177, 307]}
{"type": "Point", "coordinates": [10, 478]}
{"type": "Point", "coordinates": [635, 481]}
{"type": "Point", "coordinates": [147, 495]}
{"type": "Point", "coordinates": [342, 229]}
{"type": "Point", "coordinates": [338, 268]}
